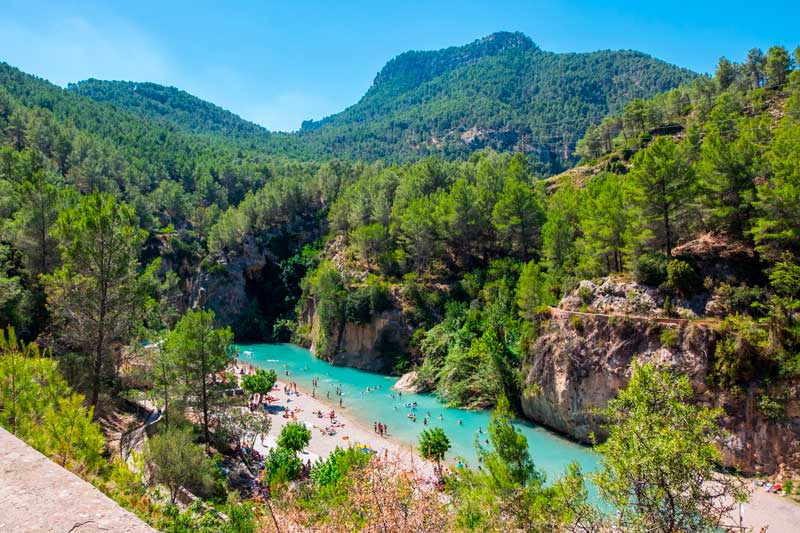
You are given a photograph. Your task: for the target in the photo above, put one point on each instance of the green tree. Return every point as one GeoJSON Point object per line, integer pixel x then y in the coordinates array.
{"type": "Point", "coordinates": [754, 67]}
{"type": "Point", "coordinates": [533, 291]}
{"type": "Point", "coordinates": [518, 217]}
{"type": "Point", "coordinates": [725, 73]}
{"type": "Point", "coordinates": [665, 177]}
{"type": "Point", "coordinates": [508, 458]}
{"type": "Point", "coordinates": [561, 229]}
{"type": "Point", "coordinates": [777, 66]}
{"type": "Point", "coordinates": [776, 226]}
{"type": "Point", "coordinates": [178, 462]}
{"type": "Point", "coordinates": [294, 436]}
{"type": "Point", "coordinates": [199, 351]}
{"type": "Point", "coordinates": [433, 445]}
{"type": "Point", "coordinates": [658, 465]}
{"type": "Point", "coordinates": [38, 192]}
{"type": "Point", "coordinates": [611, 224]}
{"type": "Point", "coordinates": [93, 296]}
{"type": "Point", "coordinates": [261, 382]}
{"type": "Point", "coordinates": [37, 405]}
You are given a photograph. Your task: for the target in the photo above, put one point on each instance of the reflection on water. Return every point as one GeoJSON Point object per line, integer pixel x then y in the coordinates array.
{"type": "Point", "coordinates": [369, 398]}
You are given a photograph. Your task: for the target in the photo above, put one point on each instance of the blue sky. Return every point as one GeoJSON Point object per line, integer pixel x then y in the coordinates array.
{"type": "Point", "coordinates": [278, 63]}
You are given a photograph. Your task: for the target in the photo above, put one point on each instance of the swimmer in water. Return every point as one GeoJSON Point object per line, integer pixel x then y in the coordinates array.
{"type": "Point", "coordinates": [459, 422]}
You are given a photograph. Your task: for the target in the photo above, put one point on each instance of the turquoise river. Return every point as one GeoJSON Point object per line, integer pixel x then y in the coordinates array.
{"type": "Point", "coordinates": [550, 452]}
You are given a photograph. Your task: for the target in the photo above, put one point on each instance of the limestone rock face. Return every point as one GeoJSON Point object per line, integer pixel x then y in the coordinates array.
{"type": "Point", "coordinates": [369, 346]}
{"type": "Point", "coordinates": [582, 359]}
{"type": "Point", "coordinates": [408, 383]}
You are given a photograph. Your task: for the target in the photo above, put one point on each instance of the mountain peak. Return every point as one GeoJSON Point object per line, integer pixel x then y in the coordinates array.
{"type": "Point", "coordinates": [412, 68]}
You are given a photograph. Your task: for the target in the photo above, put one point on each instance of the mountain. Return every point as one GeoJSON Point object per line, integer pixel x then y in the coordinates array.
{"type": "Point", "coordinates": [174, 105]}
{"type": "Point", "coordinates": [501, 91]}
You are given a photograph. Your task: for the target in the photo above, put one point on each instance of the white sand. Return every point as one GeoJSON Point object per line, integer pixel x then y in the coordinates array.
{"type": "Point", "coordinates": [350, 433]}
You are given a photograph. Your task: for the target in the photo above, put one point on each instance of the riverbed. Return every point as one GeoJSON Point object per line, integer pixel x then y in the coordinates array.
{"type": "Point", "coordinates": [369, 398]}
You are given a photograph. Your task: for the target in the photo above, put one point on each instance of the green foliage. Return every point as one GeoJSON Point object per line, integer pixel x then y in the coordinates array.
{"type": "Point", "coordinates": [508, 458]}
{"type": "Point", "coordinates": [94, 296]}
{"type": "Point", "coordinates": [294, 436]}
{"type": "Point", "coordinates": [658, 464]}
{"type": "Point", "coordinates": [480, 85]}
{"type": "Point", "coordinates": [365, 302]}
{"type": "Point", "coordinates": [772, 408]}
{"type": "Point", "coordinates": [38, 406]}
{"type": "Point", "coordinates": [669, 337]}
{"type": "Point", "coordinates": [665, 177]}
{"type": "Point", "coordinates": [282, 465]}
{"type": "Point", "coordinates": [261, 382]}
{"type": "Point", "coordinates": [199, 351]}
{"type": "Point", "coordinates": [682, 277]}
{"type": "Point", "coordinates": [651, 269]}
{"type": "Point", "coordinates": [737, 356]}
{"type": "Point", "coordinates": [337, 465]}
{"type": "Point", "coordinates": [178, 462]}
{"type": "Point", "coordinates": [433, 445]}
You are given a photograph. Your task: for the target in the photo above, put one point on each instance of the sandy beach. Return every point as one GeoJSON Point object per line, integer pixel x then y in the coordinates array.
{"type": "Point", "coordinates": [348, 432]}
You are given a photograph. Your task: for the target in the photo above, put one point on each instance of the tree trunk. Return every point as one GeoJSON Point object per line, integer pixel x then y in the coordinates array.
{"type": "Point", "coordinates": [205, 397]}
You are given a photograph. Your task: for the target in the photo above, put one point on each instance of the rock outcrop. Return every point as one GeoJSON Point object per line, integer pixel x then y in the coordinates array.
{"type": "Point", "coordinates": [408, 383]}
{"type": "Point", "coordinates": [582, 359]}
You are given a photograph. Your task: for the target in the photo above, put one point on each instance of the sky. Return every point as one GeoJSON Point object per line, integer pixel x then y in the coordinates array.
{"type": "Point", "coordinates": [278, 63]}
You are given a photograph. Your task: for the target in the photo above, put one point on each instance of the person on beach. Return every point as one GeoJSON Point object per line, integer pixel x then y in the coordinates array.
{"type": "Point", "coordinates": [340, 401]}
{"type": "Point", "coordinates": [375, 427]}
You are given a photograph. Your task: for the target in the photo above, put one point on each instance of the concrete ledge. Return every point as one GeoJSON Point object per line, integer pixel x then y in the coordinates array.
{"type": "Point", "coordinates": [37, 495]}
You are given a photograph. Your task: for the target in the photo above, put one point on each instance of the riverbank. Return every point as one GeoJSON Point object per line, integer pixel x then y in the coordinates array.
{"type": "Point", "coordinates": [349, 431]}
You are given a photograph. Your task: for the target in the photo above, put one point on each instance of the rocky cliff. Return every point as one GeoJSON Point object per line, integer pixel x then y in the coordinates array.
{"type": "Point", "coordinates": [372, 346]}
{"type": "Point", "coordinates": [583, 358]}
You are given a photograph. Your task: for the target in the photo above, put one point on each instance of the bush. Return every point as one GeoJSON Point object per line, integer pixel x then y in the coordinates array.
{"type": "Point", "coordinates": [682, 277]}
{"type": "Point", "coordinates": [669, 337]}
{"type": "Point", "coordinates": [741, 298]}
{"type": "Point", "coordinates": [651, 269]}
{"type": "Point", "coordinates": [366, 301]}
{"type": "Point", "coordinates": [772, 409]}
{"type": "Point", "coordinates": [260, 382]}
{"type": "Point", "coordinates": [294, 436]}
{"type": "Point", "coordinates": [282, 465]}
{"type": "Point", "coordinates": [337, 465]}
{"type": "Point", "coordinates": [178, 462]}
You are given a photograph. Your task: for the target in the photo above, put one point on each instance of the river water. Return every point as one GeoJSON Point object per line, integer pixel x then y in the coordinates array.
{"type": "Point", "coordinates": [550, 452]}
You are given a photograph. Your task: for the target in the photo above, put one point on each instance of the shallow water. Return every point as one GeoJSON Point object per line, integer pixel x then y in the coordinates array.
{"type": "Point", "coordinates": [550, 452]}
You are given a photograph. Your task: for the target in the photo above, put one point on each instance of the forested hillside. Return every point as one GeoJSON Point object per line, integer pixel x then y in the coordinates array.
{"type": "Point", "coordinates": [473, 253]}
{"type": "Point", "coordinates": [153, 100]}
{"type": "Point", "coordinates": [500, 92]}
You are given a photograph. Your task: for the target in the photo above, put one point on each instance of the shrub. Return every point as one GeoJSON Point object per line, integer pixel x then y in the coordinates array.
{"type": "Point", "coordinates": [585, 294]}
{"type": "Point", "coordinates": [576, 322]}
{"type": "Point", "coordinates": [337, 465]}
{"type": "Point", "coordinates": [651, 269]}
{"type": "Point", "coordinates": [741, 298]}
{"type": "Point", "coordinates": [260, 382]}
{"type": "Point", "coordinates": [772, 409]}
{"type": "Point", "coordinates": [669, 337]}
{"type": "Point", "coordinates": [282, 465]}
{"type": "Point", "coordinates": [681, 277]}
{"type": "Point", "coordinates": [294, 436]}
